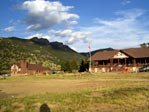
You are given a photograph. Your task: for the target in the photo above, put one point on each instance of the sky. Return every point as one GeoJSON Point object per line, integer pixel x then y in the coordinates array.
{"type": "Point", "coordinates": [118, 24]}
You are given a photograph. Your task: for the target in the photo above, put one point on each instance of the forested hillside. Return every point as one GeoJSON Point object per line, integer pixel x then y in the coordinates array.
{"type": "Point", "coordinates": [53, 55]}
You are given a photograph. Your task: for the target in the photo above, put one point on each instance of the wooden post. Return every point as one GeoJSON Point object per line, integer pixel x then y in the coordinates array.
{"type": "Point", "coordinates": [103, 63]}
{"type": "Point", "coordinates": [125, 61]}
{"type": "Point", "coordinates": [96, 63]}
{"type": "Point", "coordinates": [145, 61]}
{"type": "Point", "coordinates": [118, 61]}
{"type": "Point", "coordinates": [134, 62]}
{"type": "Point", "coordinates": [111, 62]}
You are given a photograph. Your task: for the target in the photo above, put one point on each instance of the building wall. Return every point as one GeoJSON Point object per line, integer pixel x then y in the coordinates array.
{"type": "Point", "coordinates": [112, 69]}
{"type": "Point", "coordinates": [23, 70]}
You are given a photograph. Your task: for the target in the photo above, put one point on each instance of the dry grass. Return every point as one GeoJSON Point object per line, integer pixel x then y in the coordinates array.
{"type": "Point", "coordinates": [76, 93]}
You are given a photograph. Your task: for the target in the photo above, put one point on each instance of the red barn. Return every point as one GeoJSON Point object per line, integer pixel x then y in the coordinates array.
{"type": "Point", "coordinates": [27, 69]}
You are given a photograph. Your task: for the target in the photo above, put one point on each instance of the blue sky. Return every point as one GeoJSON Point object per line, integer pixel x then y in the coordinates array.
{"type": "Point", "coordinates": [105, 23]}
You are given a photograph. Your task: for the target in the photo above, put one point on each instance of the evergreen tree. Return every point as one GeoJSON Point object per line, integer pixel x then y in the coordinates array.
{"type": "Point", "coordinates": [143, 45]}
{"type": "Point", "coordinates": [82, 67]}
{"type": "Point", "coordinates": [148, 44]}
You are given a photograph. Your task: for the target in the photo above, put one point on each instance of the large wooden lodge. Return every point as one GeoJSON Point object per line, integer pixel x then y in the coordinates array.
{"type": "Point", "coordinates": [117, 60]}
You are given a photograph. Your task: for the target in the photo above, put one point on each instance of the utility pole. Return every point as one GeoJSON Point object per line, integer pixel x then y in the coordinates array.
{"type": "Point", "coordinates": [90, 59]}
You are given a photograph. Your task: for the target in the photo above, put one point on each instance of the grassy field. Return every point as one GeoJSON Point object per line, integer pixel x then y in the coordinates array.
{"type": "Point", "coordinates": [109, 92]}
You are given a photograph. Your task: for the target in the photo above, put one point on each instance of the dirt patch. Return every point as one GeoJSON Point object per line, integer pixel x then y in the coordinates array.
{"type": "Point", "coordinates": [4, 95]}
{"type": "Point", "coordinates": [28, 87]}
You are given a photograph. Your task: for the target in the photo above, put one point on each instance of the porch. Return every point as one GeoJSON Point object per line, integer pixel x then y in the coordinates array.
{"type": "Point", "coordinates": [115, 65]}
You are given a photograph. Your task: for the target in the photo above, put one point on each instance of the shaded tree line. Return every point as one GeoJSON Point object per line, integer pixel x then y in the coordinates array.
{"type": "Point", "coordinates": [71, 66]}
{"type": "Point", "coordinates": [144, 45]}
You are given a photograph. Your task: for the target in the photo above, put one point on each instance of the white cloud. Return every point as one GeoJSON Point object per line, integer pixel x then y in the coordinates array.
{"type": "Point", "coordinates": [72, 22]}
{"type": "Point", "coordinates": [125, 2]}
{"type": "Point", "coordinates": [127, 30]}
{"type": "Point", "coordinates": [39, 35]}
{"type": "Point", "coordinates": [44, 14]}
{"type": "Point", "coordinates": [70, 36]}
{"type": "Point", "coordinates": [9, 29]}
{"type": "Point", "coordinates": [130, 14]}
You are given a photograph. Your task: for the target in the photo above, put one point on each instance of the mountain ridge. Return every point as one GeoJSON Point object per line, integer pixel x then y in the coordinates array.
{"type": "Point", "coordinates": [55, 45]}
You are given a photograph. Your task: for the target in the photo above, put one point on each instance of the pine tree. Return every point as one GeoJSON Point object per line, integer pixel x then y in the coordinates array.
{"type": "Point", "coordinates": [82, 67]}
{"type": "Point", "coordinates": [143, 45]}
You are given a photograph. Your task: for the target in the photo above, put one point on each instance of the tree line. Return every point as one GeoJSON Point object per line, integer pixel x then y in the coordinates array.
{"type": "Point", "coordinates": [72, 66]}
{"type": "Point", "coordinates": [144, 45]}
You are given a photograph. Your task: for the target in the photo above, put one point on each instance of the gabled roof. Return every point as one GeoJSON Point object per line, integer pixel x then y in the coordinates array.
{"type": "Point", "coordinates": [104, 55]}
{"type": "Point", "coordinates": [137, 52]}
{"type": "Point", "coordinates": [131, 52]}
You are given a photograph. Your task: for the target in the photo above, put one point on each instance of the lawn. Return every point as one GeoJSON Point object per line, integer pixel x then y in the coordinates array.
{"type": "Point", "coordinates": [109, 92]}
